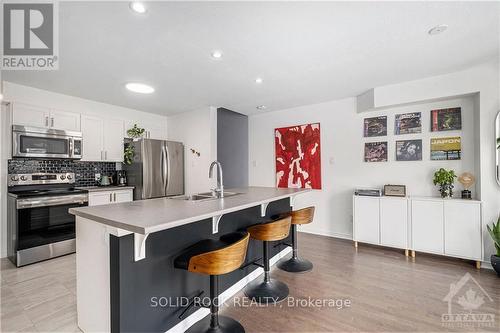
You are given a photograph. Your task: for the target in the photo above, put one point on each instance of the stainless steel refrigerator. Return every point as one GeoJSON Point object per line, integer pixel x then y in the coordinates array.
{"type": "Point", "coordinates": [157, 169]}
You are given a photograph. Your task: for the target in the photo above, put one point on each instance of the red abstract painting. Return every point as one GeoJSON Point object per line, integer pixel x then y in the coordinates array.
{"type": "Point", "coordinates": [298, 156]}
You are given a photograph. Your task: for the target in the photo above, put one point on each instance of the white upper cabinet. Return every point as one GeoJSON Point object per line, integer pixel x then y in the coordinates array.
{"type": "Point", "coordinates": [102, 139]}
{"type": "Point", "coordinates": [30, 115]}
{"type": "Point", "coordinates": [65, 120]}
{"type": "Point", "coordinates": [92, 132]}
{"type": "Point", "coordinates": [152, 129]}
{"type": "Point", "coordinates": [113, 140]}
{"type": "Point", "coordinates": [37, 116]}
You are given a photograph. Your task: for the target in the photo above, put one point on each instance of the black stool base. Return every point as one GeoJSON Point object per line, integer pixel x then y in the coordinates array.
{"type": "Point", "coordinates": [226, 325]}
{"type": "Point", "coordinates": [270, 292]}
{"type": "Point", "coordinates": [295, 265]}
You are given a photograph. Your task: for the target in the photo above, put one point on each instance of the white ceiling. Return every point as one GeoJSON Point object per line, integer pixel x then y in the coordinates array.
{"type": "Point", "coordinates": [305, 52]}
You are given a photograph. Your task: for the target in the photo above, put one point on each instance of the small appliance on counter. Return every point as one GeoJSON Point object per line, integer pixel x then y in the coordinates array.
{"type": "Point", "coordinates": [121, 178]}
{"type": "Point", "coordinates": [368, 192]}
{"type": "Point", "coordinates": [105, 180]}
{"type": "Point", "coordinates": [395, 190]}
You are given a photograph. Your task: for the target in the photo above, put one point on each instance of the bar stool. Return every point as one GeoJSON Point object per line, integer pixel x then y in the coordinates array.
{"type": "Point", "coordinates": [269, 290]}
{"type": "Point", "coordinates": [295, 264]}
{"type": "Point", "coordinates": [214, 258]}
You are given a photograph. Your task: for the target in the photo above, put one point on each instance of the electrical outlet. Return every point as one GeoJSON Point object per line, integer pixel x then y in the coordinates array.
{"type": "Point", "coordinates": [97, 176]}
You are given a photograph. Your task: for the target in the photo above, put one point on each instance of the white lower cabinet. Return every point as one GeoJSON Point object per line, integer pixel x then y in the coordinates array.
{"type": "Point", "coordinates": [367, 219]}
{"type": "Point", "coordinates": [110, 197]}
{"type": "Point", "coordinates": [427, 226]}
{"type": "Point", "coordinates": [394, 222]}
{"type": "Point", "coordinates": [462, 225]}
{"type": "Point", "coordinates": [381, 221]}
{"type": "Point", "coordinates": [450, 227]}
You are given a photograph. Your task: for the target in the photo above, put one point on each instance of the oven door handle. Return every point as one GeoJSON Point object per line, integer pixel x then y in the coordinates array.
{"type": "Point", "coordinates": [51, 201]}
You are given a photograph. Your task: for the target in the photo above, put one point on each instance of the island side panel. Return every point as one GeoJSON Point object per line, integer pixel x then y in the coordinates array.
{"type": "Point", "coordinates": [144, 294]}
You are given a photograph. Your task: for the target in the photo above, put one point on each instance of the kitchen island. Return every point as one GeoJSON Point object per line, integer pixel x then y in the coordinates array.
{"type": "Point", "coordinates": [126, 280]}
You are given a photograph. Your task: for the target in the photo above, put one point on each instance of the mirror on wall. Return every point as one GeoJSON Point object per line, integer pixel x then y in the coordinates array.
{"type": "Point", "coordinates": [497, 144]}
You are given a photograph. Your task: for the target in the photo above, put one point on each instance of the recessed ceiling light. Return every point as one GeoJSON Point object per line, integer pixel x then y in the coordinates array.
{"type": "Point", "coordinates": [258, 80]}
{"type": "Point", "coordinates": [140, 88]}
{"type": "Point", "coordinates": [438, 29]}
{"type": "Point", "coordinates": [138, 7]}
{"type": "Point", "coordinates": [261, 107]}
{"type": "Point", "coordinates": [216, 54]}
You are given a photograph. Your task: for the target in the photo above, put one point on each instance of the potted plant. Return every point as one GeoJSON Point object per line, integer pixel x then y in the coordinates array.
{"type": "Point", "coordinates": [494, 231]}
{"type": "Point", "coordinates": [445, 178]}
{"type": "Point", "coordinates": [133, 133]}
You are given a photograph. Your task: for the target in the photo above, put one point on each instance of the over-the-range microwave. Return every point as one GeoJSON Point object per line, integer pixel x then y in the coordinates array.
{"type": "Point", "coordinates": [45, 143]}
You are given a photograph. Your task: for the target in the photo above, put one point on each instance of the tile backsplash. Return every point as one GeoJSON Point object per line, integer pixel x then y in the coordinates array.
{"type": "Point", "coordinates": [84, 171]}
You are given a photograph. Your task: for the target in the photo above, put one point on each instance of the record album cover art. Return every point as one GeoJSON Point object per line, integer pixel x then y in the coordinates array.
{"type": "Point", "coordinates": [449, 148]}
{"type": "Point", "coordinates": [446, 119]}
{"type": "Point", "coordinates": [376, 152]}
{"type": "Point", "coordinates": [408, 123]}
{"type": "Point", "coordinates": [376, 126]}
{"type": "Point", "coordinates": [409, 150]}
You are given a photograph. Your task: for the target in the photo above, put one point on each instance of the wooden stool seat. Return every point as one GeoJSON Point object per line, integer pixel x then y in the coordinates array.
{"type": "Point", "coordinates": [214, 258]}
{"type": "Point", "coordinates": [271, 231]}
{"type": "Point", "coordinates": [269, 290]}
{"type": "Point", "coordinates": [296, 264]}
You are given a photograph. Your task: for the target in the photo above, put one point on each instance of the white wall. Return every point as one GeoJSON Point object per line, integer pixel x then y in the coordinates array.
{"type": "Point", "coordinates": [19, 93]}
{"type": "Point", "coordinates": [342, 149]}
{"type": "Point", "coordinates": [197, 130]}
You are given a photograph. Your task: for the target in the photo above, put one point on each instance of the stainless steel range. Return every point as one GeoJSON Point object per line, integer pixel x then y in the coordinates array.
{"type": "Point", "coordinates": [39, 225]}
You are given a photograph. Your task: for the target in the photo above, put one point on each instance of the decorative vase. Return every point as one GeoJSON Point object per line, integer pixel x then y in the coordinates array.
{"type": "Point", "coordinates": [446, 191]}
{"type": "Point", "coordinates": [495, 262]}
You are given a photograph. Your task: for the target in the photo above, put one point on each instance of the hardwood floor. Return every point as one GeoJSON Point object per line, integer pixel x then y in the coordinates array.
{"type": "Point", "coordinates": [388, 293]}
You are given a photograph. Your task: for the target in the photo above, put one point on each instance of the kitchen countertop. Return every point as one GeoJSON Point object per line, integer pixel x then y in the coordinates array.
{"type": "Point", "coordinates": [147, 216]}
{"type": "Point", "coordinates": [105, 188]}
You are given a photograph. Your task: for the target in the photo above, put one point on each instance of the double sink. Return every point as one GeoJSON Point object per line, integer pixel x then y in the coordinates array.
{"type": "Point", "coordinates": [204, 196]}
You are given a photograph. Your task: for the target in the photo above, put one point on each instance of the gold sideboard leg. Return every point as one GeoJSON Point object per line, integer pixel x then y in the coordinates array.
{"type": "Point", "coordinates": [478, 264]}
{"type": "Point", "coordinates": [413, 253]}
{"type": "Point", "coordinates": [356, 244]}
{"type": "Point", "coordinates": [407, 253]}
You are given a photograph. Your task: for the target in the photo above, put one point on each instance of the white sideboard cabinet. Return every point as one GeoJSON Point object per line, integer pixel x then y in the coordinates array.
{"type": "Point", "coordinates": [450, 227]}
{"type": "Point", "coordinates": [381, 221]}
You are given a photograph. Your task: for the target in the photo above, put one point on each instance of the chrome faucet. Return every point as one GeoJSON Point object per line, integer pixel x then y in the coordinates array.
{"type": "Point", "coordinates": [219, 190]}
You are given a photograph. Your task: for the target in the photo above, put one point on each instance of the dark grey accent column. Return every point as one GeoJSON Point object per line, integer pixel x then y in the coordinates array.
{"type": "Point", "coordinates": [232, 147]}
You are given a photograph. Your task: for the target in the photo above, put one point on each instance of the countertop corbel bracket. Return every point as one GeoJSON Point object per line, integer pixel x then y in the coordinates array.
{"type": "Point", "coordinates": [140, 246]}
{"type": "Point", "coordinates": [263, 209]}
{"type": "Point", "coordinates": [215, 223]}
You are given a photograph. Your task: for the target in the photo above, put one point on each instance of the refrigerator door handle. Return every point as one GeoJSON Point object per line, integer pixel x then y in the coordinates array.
{"type": "Point", "coordinates": [167, 153]}
{"type": "Point", "coordinates": [164, 166]}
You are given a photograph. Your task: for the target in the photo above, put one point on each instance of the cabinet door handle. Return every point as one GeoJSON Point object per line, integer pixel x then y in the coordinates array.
{"type": "Point", "coordinates": [52, 122]}
{"type": "Point", "coordinates": [105, 154]}
{"type": "Point", "coordinates": [114, 197]}
{"type": "Point", "coordinates": [101, 156]}
{"type": "Point", "coordinates": [47, 121]}
{"type": "Point", "coordinates": [111, 197]}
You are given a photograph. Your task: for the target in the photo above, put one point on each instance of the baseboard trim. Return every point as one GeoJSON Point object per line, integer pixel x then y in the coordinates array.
{"type": "Point", "coordinates": [328, 234]}
{"type": "Point", "coordinates": [227, 294]}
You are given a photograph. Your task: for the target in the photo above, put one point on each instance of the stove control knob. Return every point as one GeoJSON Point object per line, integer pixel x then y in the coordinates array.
{"type": "Point", "coordinates": [63, 177]}
{"type": "Point", "coordinates": [14, 178]}
{"type": "Point", "coordinates": [70, 177]}
{"type": "Point", "coordinates": [24, 178]}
